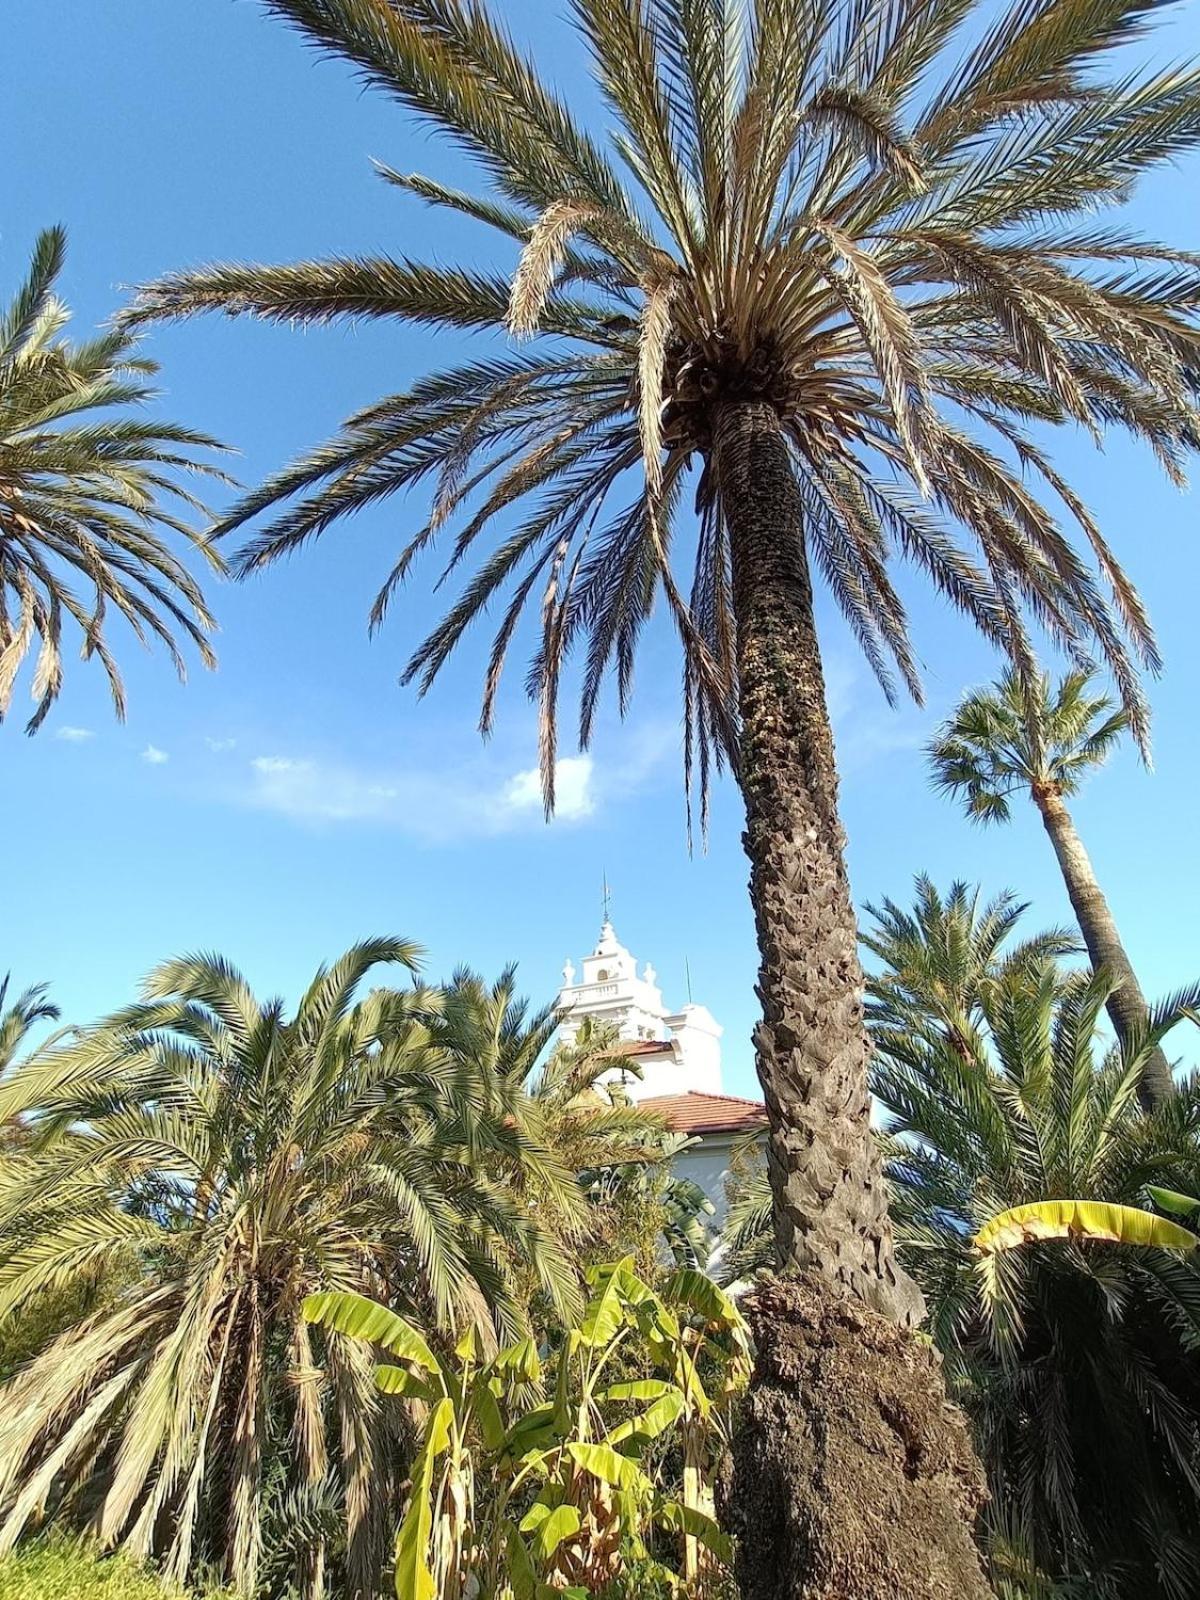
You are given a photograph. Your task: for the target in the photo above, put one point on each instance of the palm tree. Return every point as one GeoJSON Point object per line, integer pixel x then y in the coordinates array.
{"type": "Point", "coordinates": [936, 957]}
{"type": "Point", "coordinates": [591, 1140]}
{"type": "Point", "coordinates": [85, 491]}
{"type": "Point", "coordinates": [19, 1019]}
{"type": "Point", "coordinates": [934, 961]}
{"type": "Point", "coordinates": [1025, 736]}
{"type": "Point", "coordinates": [819, 278]}
{"type": "Point", "coordinates": [240, 1159]}
{"type": "Point", "coordinates": [1076, 1360]}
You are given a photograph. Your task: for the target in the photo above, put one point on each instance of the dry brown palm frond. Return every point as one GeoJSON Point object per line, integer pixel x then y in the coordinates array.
{"type": "Point", "coordinates": [540, 261]}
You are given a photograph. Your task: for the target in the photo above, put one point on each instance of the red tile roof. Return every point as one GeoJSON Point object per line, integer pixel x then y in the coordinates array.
{"type": "Point", "coordinates": [643, 1047]}
{"type": "Point", "coordinates": [707, 1113]}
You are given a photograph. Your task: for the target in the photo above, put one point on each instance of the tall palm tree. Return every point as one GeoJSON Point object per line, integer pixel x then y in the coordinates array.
{"type": "Point", "coordinates": [829, 262]}
{"type": "Point", "coordinates": [240, 1159]}
{"type": "Point", "coordinates": [1076, 1360]}
{"type": "Point", "coordinates": [1024, 736]}
{"type": "Point", "coordinates": [86, 487]}
{"type": "Point", "coordinates": [926, 986]}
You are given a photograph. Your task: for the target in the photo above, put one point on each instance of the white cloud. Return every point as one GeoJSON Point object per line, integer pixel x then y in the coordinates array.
{"type": "Point", "coordinates": [74, 735]}
{"type": "Point", "coordinates": [219, 746]}
{"type": "Point", "coordinates": [469, 802]}
{"type": "Point", "coordinates": [573, 796]}
{"type": "Point", "coordinates": [154, 757]}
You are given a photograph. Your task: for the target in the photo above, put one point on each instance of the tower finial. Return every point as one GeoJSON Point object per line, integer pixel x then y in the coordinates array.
{"type": "Point", "coordinates": [606, 897]}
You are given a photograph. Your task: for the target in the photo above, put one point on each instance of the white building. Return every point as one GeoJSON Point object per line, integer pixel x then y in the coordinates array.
{"type": "Point", "coordinates": [678, 1054]}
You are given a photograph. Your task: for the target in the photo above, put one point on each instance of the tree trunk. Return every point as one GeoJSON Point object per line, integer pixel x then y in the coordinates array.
{"type": "Point", "coordinates": [1126, 1005]}
{"type": "Point", "coordinates": [853, 1477]}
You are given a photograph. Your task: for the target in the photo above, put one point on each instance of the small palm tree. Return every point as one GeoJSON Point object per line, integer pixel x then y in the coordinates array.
{"type": "Point", "coordinates": [936, 957]}
{"type": "Point", "coordinates": [831, 262]}
{"type": "Point", "coordinates": [1074, 1359]}
{"type": "Point", "coordinates": [85, 486]}
{"type": "Point", "coordinates": [1029, 737]}
{"type": "Point", "coordinates": [590, 1140]}
{"type": "Point", "coordinates": [238, 1160]}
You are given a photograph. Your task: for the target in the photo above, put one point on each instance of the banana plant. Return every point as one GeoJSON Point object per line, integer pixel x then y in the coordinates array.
{"type": "Point", "coordinates": [597, 1502]}
{"type": "Point", "coordinates": [1088, 1220]}
{"type": "Point", "coordinates": [513, 1500]}
{"type": "Point", "coordinates": [459, 1401]}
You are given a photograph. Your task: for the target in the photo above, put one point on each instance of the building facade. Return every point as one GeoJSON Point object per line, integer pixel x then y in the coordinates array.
{"type": "Point", "coordinates": [674, 1059]}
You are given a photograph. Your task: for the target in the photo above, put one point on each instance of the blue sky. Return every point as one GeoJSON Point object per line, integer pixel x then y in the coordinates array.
{"type": "Point", "coordinates": [298, 799]}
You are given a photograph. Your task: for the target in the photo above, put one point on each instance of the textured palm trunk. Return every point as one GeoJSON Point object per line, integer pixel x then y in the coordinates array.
{"type": "Point", "coordinates": [1126, 1005]}
{"type": "Point", "coordinates": [853, 1478]}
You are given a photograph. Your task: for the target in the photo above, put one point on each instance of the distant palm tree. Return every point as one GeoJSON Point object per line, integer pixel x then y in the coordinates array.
{"type": "Point", "coordinates": [590, 1137]}
{"type": "Point", "coordinates": [1029, 737]}
{"type": "Point", "coordinates": [819, 278]}
{"type": "Point", "coordinates": [935, 958]}
{"type": "Point", "coordinates": [1075, 1360]}
{"type": "Point", "coordinates": [84, 491]}
{"type": "Point", "coordinates": [238, 1160]}
{"type": "Point", "coordinates": [18, 1019]}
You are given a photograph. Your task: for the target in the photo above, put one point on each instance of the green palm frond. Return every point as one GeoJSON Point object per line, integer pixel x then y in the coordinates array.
{"type": "Point", "coordinates": [877, 217]}
{"type": "Point", "coordinates": [85, 497]}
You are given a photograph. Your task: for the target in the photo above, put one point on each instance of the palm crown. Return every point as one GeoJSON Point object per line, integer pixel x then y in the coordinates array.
{"type": "Point", "coordinates": [935, 958]}
{"type": "Point", "coordinates": [800, 203]}
{"type": "Point", "coordinates": [219, 1160]}
{"type": "Point", "coordinates": [85, 491]}
{"type": "Point", "coordinates": [1024, 736]}
{"type": "Point", "coordinates": [20, 1016]}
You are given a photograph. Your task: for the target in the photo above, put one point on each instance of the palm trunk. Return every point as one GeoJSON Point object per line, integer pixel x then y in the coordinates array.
{"type": "Point", "coordinates": [853, 1477]}
{"type": "Point", "coordinates": [1126, 1005]}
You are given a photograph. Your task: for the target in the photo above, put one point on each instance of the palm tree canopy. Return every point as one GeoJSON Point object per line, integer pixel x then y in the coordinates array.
{"type": "Point", "coordinates": [1023, 735]}
{"type": "Point", "coordinates": [1075, 1359]}
{"type": "Point", "coordinates": [85, 495]}
{"type": "Point", "coordinates": [880, 218]}
{"type": "Point", "coordinates": [935, 957]}
{"type": "Point", "coordinates": [236, 1159]}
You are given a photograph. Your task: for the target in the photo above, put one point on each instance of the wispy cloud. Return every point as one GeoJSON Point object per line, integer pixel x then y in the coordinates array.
{"type": "Point", "coordinates": [154, 757]}
{"type": "Point", "coordinates": [219, 746]}
{"type": "Point", "coordinates": [866, 729]}
{"type": "Point", "coordinates": [573, 794]}
{"type": "Point", "coordinates": [74, 735]}
{"type": "Point", "coordinates": [472, 801]}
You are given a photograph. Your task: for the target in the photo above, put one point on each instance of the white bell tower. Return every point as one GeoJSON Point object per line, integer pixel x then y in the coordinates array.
{"type": "Point", "coordinates": [678, 1052]}
{"type": "Point", "coordinates": [611, 991]}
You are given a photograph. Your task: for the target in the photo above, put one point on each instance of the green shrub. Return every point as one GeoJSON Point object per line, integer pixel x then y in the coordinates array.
{"type": "Point", "coordinates": [61, 1570]}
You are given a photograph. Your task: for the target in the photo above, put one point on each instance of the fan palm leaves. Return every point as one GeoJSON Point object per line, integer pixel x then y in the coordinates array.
{"type": "Point", "coordinates": [240, 1158]}
{"type": "Point", "coordinates": [1031, 736]}
{"type": "Point", "coordinates": [86, 492]}
{"type": "Point", "coordinates": [1076, 1359]}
